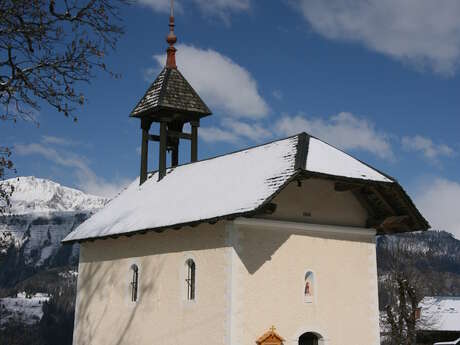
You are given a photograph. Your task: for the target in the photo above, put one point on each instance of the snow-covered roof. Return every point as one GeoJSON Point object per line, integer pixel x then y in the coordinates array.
{"type": "Point", "coordinates": [235, 184]}
{"type": "Point", "coordinates": [440, 314]}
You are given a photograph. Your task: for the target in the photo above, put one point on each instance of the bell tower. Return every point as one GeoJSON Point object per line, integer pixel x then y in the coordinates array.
{"type": "Point", "coordinates": [172, 102]}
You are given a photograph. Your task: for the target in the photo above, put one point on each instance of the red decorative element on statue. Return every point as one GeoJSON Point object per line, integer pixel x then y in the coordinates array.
{"type": "Point", "coordinates": [171, 39]}
{"type": "Point", "coordinates": [307, 288]}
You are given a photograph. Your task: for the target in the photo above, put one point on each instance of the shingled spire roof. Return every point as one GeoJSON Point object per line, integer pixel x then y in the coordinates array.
{"type": "Point", "coordinates": [170, 93]}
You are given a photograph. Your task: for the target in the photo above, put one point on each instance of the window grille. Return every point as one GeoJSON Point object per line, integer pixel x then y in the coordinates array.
{"type": "Point", "coordinates": [134, 283]}
{"type": "Point", "coordinates": [190, 280]}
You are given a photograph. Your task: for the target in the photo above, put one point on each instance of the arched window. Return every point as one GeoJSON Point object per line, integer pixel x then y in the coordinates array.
{"type": "Point", "coordinates": [309, 286]}
{"type": "Point", "coordinates": [190, 279]}
{"type": "Point", "coordinates": [308, 339]}
{"type": "Point", "coordinates": [134, 282]}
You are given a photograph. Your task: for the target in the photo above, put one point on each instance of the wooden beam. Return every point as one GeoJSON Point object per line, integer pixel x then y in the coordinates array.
{"type": "Point", "coordinates": [384, 201]}
{"type": "Point", "coordinates": [175, 155]}
{"type": "Point", "coordinates": [394, 223]}
{"type": "Point", "coordinates": [153, 137]}
{"type": "Point", "coordinates": [144, 154]}
{"type": "Point", "coordinates": [179, 135]}
{"type": "Point", "coordinates": [172, 134]}
{"type": "Point", "coordinates": [162, 164]}
{"type": "Point", "coordinates": [194, 144]}
{"type": "Point", "coordinates": [366, 205]}
{"type": "Point", "coordinates": [145, 126]}
{"type": "Point", "coordinates": [346, 187]}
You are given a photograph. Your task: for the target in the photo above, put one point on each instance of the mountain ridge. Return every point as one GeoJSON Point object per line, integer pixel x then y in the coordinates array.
{"type": "Point", "coordinates": [37, 195]}
{"type": "Point", "coordinates": [42, 213]}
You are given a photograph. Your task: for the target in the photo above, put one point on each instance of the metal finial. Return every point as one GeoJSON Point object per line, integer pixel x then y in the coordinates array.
{"type": "Point", "coordinates": [171, 39]}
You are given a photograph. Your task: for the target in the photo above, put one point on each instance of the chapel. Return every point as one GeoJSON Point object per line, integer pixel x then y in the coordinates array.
{"type": "Point", "coordinates": [270, 245]}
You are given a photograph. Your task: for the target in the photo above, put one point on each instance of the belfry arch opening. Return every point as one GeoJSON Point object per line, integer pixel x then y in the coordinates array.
{"type": "Point", "coordinates": [309, 338]}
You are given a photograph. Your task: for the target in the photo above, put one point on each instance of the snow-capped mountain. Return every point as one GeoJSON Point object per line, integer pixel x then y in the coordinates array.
{"type": "Point", "coordinates": [37, 195]}
{"type": "Point", "coordinates": [42, 213]}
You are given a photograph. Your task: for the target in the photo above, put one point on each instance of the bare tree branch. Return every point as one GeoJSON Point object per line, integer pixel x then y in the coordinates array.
{"type": "Point", "coordinates": [47, 49]}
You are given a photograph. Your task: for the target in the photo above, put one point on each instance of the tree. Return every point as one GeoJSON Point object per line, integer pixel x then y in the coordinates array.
{"type": "Point", "coordinates": [401, 315]}
{"type": "Point", "coordinates": [46, 50]}
{"type": "Point", "coordinates": [6, 167]}
{"type": "Point", "coordinates": [406, 287]}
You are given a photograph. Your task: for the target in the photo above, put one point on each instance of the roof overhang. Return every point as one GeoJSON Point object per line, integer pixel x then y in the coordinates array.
{"type": "Point", "coordinates": [253, 178]}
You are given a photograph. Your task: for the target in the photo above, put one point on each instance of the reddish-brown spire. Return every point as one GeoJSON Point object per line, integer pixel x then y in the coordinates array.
{"type": "Point", "coordinates": [171, 39]}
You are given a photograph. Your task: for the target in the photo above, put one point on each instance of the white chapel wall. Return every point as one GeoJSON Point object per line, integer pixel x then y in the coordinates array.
{"type": "Point", "coordinates": [316, 201]}
{"type": "Point", "coordinates": [269, 280]}
{"type": "Point", "coordinates": [247, 279]}
{"type": "Point", "coordinates": [105, 313]}
{"type": "Point", "coordinates": [270, 265]}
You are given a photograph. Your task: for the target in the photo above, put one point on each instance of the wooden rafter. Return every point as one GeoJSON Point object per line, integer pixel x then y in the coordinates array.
{"type": "Point", "coordinates": [383, 200]}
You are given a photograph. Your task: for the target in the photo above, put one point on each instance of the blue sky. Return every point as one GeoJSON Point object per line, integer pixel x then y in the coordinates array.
{"type": "Point", "coordinates": [379, 79]}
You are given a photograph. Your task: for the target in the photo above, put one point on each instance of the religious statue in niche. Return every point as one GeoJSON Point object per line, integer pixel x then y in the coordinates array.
{"type": "Point", "coordinates": [309, 286]}
{"type": "Point", "coordinates": [270, 338]}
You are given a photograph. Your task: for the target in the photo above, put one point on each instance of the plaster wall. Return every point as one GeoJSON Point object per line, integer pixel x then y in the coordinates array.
{"type": "Point", "coordinates": [105, 314]}
{"type": "Point", "coordinates": [269, 267]}
{"type": "Point", "coordinates": [249, 276]}
{"type": "Point", "coordinates": [271, 257]}
{"type": "Point", "coordinates": [316, 201]}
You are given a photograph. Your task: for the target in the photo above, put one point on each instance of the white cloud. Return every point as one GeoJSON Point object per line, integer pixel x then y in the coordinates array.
{"type": "Point", "coordinates": [438, 202]}
{"type": "Point", "coordinates": [425, 33]}
{"type": "Point", "coordinates": [215, 134]}
{"type": "Point", "coordinates": [220, 8]}
{"type": "Point", "coordinates": [86, 178]}
{"type": "Point", "coordinates": [277, 94]}
{"type": "Point", "coordinates": [344, 130]}
{"type": "Point", "coordinates": [253, 131]}
{"type": "Point", "coordinates": [221, 82]}
{"type": "Point", "coordinates": [157, 5]}
{"type": "Point", "coordinates": [235, 132]}
{"type": "Point", "coordinates": [223, 8]}
{"type": "Point", "coordinates": [427, 147]}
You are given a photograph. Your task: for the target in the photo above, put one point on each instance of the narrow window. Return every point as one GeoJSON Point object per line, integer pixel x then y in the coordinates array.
{"type": "Point", "coordinates": [309, 287]}
{"type": "Point", "coordinates": [190, 280]}
{"type": "Point", "coordinates": [134, 282]}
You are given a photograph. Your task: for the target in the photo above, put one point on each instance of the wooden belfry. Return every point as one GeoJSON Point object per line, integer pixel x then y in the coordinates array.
{"type": "Point", "coordinates": [172, 102]}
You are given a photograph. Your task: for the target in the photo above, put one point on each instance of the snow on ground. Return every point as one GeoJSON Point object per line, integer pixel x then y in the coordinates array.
{"type": "Point", "coordinates": [69, 274]}
{"type": "Point", "coordinates": [24, 308]}
{"type": "Point", "coordinates": [440, 313]}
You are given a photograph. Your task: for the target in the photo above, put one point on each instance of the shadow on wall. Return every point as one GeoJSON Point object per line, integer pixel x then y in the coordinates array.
{"type": "Point", "coordinates": [254, 246]}
{"type": "Point", "coordinates": [99, 291]}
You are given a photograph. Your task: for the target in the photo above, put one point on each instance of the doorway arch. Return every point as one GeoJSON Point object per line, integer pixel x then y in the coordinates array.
{"type": "Point", "coordinates": [309, 338]}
